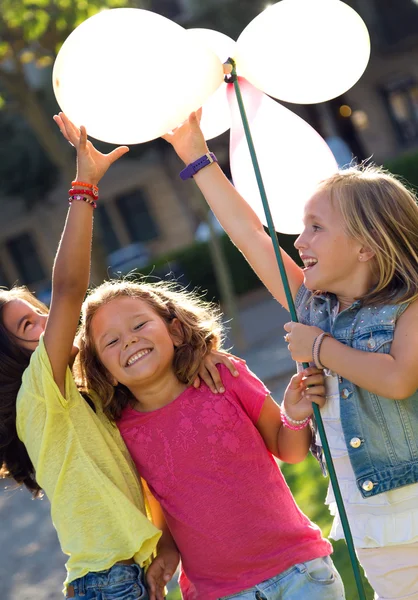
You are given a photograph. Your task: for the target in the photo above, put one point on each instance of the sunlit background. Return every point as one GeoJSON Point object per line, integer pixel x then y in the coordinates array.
{"type": "Point", "coordinates": [149, 220]}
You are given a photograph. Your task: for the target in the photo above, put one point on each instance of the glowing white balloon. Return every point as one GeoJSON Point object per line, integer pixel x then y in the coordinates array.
{"type": "Point", "coordinates": [126, 74]}
{"type": "Point", "coordinates": [292, 156]}
{"type": "Point", "coordinates": [216, 118]}
{"type": "Point", "coordinates": [304, 51]}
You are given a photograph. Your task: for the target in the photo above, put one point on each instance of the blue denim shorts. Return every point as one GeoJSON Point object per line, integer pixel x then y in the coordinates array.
{"type": "Point", "coordinates": [314, 580]}
{"type": "Point", "coordinates": [121, 582]}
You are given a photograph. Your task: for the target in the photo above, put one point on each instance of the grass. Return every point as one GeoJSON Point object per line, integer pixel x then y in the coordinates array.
{"type": "Point", "coordinates": [309, 489]}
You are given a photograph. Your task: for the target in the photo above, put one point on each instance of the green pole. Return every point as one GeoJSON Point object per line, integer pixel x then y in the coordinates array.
{"type": "Point", "coordinates": [292, 309]}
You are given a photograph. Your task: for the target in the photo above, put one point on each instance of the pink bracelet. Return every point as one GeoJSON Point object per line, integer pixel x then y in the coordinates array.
{"type": "Point", "coordinates": [291, 425]}
{"type": "Point", "coordinates": [316, 349]}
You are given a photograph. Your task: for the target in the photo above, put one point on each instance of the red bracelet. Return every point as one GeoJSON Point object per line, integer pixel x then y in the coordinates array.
{"type": "Point", "coordinates": [84, 198]}
{"type": "Point", "coordinates": [88, 192]}
{"type": "Point", "coordinates": [87, 185]}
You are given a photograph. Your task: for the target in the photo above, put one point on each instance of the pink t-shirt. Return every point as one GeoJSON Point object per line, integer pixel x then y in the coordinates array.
{"type": "Point", "coordinates": [225, 500]}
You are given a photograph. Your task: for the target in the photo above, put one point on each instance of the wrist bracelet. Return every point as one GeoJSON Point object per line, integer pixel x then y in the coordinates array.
{"type": "Point", "coordinates": [84, 198]}
{"type": "Point", "coordinates": [316, 348]}
{"type": "Point", "coordinates": [194, 167]}
{"type": "Point", "coordinates": [293, 423]}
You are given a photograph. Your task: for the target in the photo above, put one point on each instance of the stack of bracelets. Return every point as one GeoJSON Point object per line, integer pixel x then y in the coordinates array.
{"type": "Point", "coordinates": [292, 423]}
{"type": "Point", "coordinates": [87, 192]}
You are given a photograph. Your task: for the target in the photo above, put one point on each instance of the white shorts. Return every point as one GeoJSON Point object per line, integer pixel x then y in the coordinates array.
{"type": "Point", "coordinates": [392, 571]}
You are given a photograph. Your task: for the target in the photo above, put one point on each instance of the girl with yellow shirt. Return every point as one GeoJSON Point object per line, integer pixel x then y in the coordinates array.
{"type": "Point", "coordinates": [52, 439]}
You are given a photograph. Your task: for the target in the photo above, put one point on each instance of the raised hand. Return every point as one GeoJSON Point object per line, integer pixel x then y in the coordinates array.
{"type": "Point", "coordinates": [91, 164]}
{"type": "Point", "coordinates": [187, 140]}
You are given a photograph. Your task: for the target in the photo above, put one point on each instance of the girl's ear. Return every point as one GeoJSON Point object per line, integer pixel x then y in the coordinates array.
{"type": "Point", "coordinates": [366, 253]}
{"type": "Point", "coordinates": [176, 332]}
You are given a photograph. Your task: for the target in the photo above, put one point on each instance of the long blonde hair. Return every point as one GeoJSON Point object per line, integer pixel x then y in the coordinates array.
{"type": "Point", "coordinates": [381, 213]}
{"type": "Point", "coordinates": [201, 327]}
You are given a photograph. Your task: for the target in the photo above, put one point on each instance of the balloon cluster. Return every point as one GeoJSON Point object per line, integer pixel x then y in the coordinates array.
{"type": "Point", "coordinates": [130, 75]}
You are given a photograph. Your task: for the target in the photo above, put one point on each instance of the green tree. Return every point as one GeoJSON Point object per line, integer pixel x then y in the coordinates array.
{"type": "Point", "coordinates": [31, 33]}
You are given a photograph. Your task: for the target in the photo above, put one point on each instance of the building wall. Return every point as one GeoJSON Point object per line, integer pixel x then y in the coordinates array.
{"type": "Point", "coordinates": [44, 223]}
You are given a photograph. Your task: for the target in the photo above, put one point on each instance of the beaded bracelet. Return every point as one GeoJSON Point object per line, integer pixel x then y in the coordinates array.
{"type": "Point", "coordinates": [87, 192]}
{"type": "Point", "coordinates": [316, 348]}
{"type": "Point", "coordinates": [292, 423]}
{"type": "Point", "coordinates": [91, 186]}
{"type": "Point", "coordinates": [84, 198]}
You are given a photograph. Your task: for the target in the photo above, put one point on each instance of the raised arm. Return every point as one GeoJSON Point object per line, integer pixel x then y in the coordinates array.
{"type": "Point", "coordinates": [71, 271]}
{"type": "Point", "coordinates": [234, 214]}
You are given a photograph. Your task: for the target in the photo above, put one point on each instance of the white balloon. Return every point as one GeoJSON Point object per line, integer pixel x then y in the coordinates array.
{"type": "Point", "coordinates": [304, 51]}
{"type": "Point", "coordinates": [130, 75]}
{"type": "Point", "coordinates": [293, 158]}
{"type": "Point", "coordinates": [216, 117]}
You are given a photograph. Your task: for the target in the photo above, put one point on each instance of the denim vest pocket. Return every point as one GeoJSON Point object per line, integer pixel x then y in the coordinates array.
{"type": "Point", "coordinates": [374, 339]}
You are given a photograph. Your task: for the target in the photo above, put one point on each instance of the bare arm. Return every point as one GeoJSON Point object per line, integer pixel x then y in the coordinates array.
{"type": "Point", "coordinates": [284, 443]}
{"type": "Point", "coordinates": [393, 375]}
{"type": "Point", "coordinates": [234, 214]}
{"type": "Point", "coordinates": [71, 271]}
{"type": "Point", "coordinates": [166, 562]}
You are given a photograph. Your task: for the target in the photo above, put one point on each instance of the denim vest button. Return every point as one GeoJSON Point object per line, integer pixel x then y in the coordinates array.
{"type": "Point", "coordinates": [355, 442]}
{"type": "Point", "coordinates": [346, 393]}
{"type": "Point", "coordinates": [371, 344]}
{"type": "Point", "coordinates": [367, 485]}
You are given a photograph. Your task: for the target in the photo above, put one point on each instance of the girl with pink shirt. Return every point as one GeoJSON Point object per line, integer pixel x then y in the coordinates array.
{"type": "Point", "coordinates": [208, 458]}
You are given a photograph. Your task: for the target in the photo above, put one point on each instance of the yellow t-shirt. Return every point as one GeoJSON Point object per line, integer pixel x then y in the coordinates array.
{"type": "Point", "coordinates": [81, 462]}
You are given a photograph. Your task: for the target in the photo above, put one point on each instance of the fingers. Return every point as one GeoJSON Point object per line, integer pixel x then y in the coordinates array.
{"type": "Point", "coordinates": [296, 381]}
{"type": "Point", "coordinates": [210, 375]}
{"type": "Point", "coordinates": [224, 359]}
{"type": "Point", "coordinates": [311, 380]}
{"type": "Point", "coordinates": [198, 114]}
{"type": "Point", "coordinates": [288, 326]}
{"type": "Point", "coordinates": [196, 382]}
{"type": "Point", "coordinates": [83, 138]}
{"type": "Point", "coordinates": [319, 400]}
{"type": "Point", "coordinates": [61, 126]}
{"type": "Point", "coordinates": [117, 153]}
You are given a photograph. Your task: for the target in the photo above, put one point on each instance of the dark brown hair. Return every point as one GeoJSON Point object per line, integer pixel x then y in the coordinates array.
{"type": "Point", "coordinates": [201, 327]}
{"type": "Point", "coordinates": [14, 459]}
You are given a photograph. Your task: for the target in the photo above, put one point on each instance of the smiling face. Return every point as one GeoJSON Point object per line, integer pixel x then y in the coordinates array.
{"type": "Point", "coordinates": [24, 322]}
{"type": "Point", "coordinates": [333, 261]}
{"type": "Point", "coordinates": [134, 344]}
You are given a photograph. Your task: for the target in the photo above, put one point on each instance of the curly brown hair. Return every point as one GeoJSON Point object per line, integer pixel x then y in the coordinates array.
{"type": "Point", "coordinates": [201, 327]}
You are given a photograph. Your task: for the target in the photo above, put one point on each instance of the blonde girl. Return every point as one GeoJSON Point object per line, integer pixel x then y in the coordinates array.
{"type": "Point", "coordinates": [356, 298]}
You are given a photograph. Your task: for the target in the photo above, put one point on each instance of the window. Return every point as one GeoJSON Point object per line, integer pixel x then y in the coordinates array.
{"type": "Point", "coordinates": [25, 256]}
{"type": "Point", "coordinates": [139, 223]}
{"type": "Point", "coordinates": [107, 234]}
{"type": "Point", "coordinates": [401, 98]}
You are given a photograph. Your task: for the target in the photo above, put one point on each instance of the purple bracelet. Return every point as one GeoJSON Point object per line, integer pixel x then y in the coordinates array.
{"type": "Point", "coordinates": [200, 163]}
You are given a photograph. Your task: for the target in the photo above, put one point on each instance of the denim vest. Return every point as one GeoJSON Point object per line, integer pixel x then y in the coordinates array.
{"type": "Point", "coordinates": [381, 434]}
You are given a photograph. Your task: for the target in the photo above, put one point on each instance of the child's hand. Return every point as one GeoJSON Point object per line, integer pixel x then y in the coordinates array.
{"type": "Point", "coordinates": [160, 571]}
{"type": "Point", "coordinates": [298, 398]}
{"type": "Point", "coordinates": [210, 374]}
{"type": "Point", "coordinates": [187, 140]}
{"type": "Point", "coordinates": [300, 339]}
{"type": "Point", "coordinates": [91, 164]}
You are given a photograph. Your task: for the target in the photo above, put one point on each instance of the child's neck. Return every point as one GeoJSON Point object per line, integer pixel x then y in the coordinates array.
{"type": "Point", "coordinates": [152, 395]}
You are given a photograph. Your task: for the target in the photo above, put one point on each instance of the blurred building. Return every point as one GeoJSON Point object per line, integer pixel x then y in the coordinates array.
{"type": "Point", "coordinates": [144, 208]}
{"type": "Point", "coordinates": [378, 117]}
